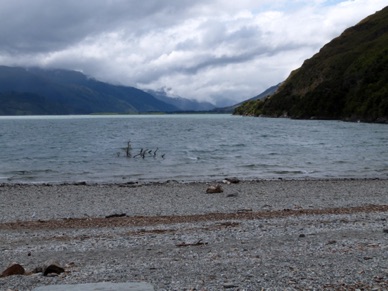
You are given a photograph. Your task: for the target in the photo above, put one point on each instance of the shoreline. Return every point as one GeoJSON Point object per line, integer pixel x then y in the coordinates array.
{"type": "Point", "coordinates": [276, 234]}
{"type": "Point", "coordinates": [24, 202]}
{"type": "Point", "coordinates": [183, 182]}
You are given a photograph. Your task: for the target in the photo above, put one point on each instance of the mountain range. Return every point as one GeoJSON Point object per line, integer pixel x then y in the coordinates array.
{"type": "Point", "coordinates": [347, 79]}
{"type": "Point", "coordinates": [32, 91]}
{"type": "Point", "coordinates": [183, 104]}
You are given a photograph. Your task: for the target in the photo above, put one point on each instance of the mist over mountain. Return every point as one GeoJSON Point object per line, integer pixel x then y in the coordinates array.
{"type": "Point", "coordinates": [347, 79]}
{"type": "Point", "coordinates": [182, 104]}
{"type": "Point", "coordinates": [31, 91]}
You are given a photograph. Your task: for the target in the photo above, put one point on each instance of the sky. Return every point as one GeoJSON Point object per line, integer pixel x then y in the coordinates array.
{"type": "Point", "coordinates": [220, 51]}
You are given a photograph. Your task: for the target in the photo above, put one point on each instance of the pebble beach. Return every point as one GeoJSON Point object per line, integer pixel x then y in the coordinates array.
{"type": "Point", "coordinates": [266, 234]}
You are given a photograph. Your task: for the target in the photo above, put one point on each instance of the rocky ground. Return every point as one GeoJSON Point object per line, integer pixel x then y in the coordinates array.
{"type": "Point", "coordinates": [297, 235]}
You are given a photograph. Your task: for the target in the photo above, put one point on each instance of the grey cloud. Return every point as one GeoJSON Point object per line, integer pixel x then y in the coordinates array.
{"type": "Point", "coordinates": [209, 50]}
{"type": "Point", "coordinates": [45, 25]}
{"type": "Point", "coordinates": [218, 61]}
{"type": "Point", "coordinates": [241, 45]}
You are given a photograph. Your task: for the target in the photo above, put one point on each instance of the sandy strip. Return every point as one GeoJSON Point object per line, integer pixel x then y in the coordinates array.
{"type": "Point", "coordinates": [126, 221]}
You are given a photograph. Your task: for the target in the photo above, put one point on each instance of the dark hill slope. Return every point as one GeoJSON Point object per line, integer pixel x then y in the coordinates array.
{"type": "Point", "coordinates": [347, 79]}
{"type": "Point", "coordinates": [39, 91]}
{"type": "Point", "coordinates": [246, 105]}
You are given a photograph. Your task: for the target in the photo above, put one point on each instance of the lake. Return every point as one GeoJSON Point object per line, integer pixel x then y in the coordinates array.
{"type": "Point", "coordinates": [198, 147]}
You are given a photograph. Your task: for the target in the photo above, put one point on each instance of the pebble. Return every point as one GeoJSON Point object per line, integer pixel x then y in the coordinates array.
{"type": "Point", "coordinates": [246, 254]}
{"type": "Point", "coordinates": [13, 269]}
{"type": "Point", "coordinates": [104, 286]}
{"type": "Point", "coordinates": [52, 268]}
{"type": "Point", "coordinates": [214, 189]}
{"type": "Point", "coordinates": [233, 180]}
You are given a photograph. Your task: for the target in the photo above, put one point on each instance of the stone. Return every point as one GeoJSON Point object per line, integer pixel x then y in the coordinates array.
{"type": "Point", "coordinates": [214, 189]}
{"type": "Point", "coordinates": [81, 183]}
{"type": "Point", "coordinates": [52, 268]}
{"type": "Point", "coordinates": [13, 269]}
{"type": "Point", "coordinates": [116, 215]}
{"type": "Point", "coordinates": [233, 180]}
{"type": "Point", "coordinates": [229, 285]}
{"type": "Point", "coordinates": [104, 286]}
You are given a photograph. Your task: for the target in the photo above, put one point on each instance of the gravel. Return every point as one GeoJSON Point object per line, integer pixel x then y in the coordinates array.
{"type": "Point", "coordinates": [299, 234]}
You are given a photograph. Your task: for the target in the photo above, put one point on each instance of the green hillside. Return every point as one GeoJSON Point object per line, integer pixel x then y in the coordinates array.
{"type": "Point", "coordinates": [347, 79]}
{"type": "Point", "coordinates": [247, 105]}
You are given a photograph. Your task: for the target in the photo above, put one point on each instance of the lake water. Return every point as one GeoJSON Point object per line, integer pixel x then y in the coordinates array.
{"type": "Point", "coordinates": [195, 147]}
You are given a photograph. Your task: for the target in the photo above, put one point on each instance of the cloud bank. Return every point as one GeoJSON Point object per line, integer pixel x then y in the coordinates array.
{"type": "Point", "coordinates": [222, 51]}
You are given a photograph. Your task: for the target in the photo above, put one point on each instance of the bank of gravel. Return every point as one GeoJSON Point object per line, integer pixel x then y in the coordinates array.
{"type": "Point", "coordinates": [317, 249]}
{"type": "Point", "coordinates": [33, 202]}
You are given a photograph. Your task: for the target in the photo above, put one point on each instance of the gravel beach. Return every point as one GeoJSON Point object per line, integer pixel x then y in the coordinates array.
{"type": "Point", "coordinates": [271, 234]}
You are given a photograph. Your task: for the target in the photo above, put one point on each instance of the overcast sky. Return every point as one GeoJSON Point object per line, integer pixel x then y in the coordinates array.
{"type": "Point", "coordinates": [211, 50]}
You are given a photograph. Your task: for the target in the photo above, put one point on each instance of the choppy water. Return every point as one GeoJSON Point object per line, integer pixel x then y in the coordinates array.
{"type": "Point", "coordinates": [196, 147]}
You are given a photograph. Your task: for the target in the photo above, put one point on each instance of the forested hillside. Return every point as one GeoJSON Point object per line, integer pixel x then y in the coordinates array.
{"type": "Point", "coordinates": [347, 79]}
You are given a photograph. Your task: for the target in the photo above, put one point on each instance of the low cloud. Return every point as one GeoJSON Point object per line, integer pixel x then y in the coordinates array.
{"type": "Point", "coordinates": [218, 51]}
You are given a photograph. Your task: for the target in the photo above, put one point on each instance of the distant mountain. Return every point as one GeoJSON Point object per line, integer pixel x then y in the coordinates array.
{"type": "Point", "coordinates": [182, 104]}
{"type": "Point", "coordinates": [231, 109]}
{"type": "Point", "coordinates": [53, 91]}
{"type": "Point", "coordinates": [347, 79]}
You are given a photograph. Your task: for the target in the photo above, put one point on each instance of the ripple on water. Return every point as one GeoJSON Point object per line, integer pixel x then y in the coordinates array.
{"type": "Point", "coordinates": [195, 147]}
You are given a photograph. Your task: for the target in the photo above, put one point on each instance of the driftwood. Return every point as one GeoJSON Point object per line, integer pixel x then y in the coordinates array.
{"type": "Point", "coordinates": [116, 215]}
{"type": "Point", "coordinates": [198, 243]}
{"type": "Point", "coordinates": [143, 153]}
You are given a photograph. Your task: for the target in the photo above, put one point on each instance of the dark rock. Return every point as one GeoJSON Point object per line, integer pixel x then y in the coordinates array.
{"type": "Point", "coordinates": [198, 243]}
{"type": "Point", "coordinates": [230, 286]}
{"type": "Point", "coordinates": [243, 210]}
{"type": "Point", "coordinates": [302, 235]}
{"type": "Point", "coordinates": [233, 180]}
{"type": "Point", "coordinates": [214, 189]}
{"type": "Point", "coordinates": [52, 268]}
{"type": "Point", "coordinates": [385, 230]}
{"type": "Point", "coordinates": [232, 195]}
{"type": "Point", "coordinates": [82, 183]}
{"type": "Point", "coordinates": [13, 269]}
{"type": "Point", "coordinates": [116, 215]}
{"type": "Point", "coordinates": [131, 183]}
